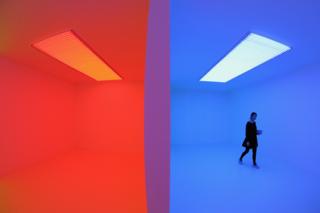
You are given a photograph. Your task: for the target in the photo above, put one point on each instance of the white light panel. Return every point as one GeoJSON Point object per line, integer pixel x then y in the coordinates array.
{"type": "Point", "coordinates": [250, 53]}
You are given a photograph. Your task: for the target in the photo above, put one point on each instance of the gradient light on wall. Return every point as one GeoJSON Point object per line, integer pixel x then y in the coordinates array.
{"type": "Point", "coordinates": [253, 51]}
{"type": "Point", "coordinates": [69, 49]}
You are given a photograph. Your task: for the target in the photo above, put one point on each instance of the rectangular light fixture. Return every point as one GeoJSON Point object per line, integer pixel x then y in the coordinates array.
{"type": "Point", "coordinates": [69, 49]}
{"type": "Point", "coordinates": [250, 53]}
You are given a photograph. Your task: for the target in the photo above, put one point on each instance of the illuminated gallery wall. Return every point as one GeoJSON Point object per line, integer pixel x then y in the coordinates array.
{"type": "Point", "coordinates": [288, 112]}
{"type": "Point", "coordinates": [37, 116]}
{"type": "Point", "coordinates": [110, 122]}
{"type": "Point", "coordinates": [216, 37]}
{"type": "Point", "coordinates": [110, 116]}
{"type": "Point", "coordinates": [71, 142]}
{"type": "Point", "coordinates": [112, 139]}
{"type": "Point", "coordinates": [88, 139]}
{"type": "Point", "coordinates": [200, 117]}
{"type": "Point", "coordinates": [157, 108]}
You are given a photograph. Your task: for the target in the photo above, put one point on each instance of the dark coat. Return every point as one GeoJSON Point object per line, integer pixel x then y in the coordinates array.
{"type": "Point", "coordinates": [251, 135]}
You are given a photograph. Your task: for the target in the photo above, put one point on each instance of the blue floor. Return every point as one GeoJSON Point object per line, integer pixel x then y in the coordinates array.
{"type": "Point", "coordinates": [209, 179]}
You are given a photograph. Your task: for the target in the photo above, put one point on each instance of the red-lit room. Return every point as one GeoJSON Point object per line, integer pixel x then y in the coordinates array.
{"type": "Point", "coordinates": [72, 88]}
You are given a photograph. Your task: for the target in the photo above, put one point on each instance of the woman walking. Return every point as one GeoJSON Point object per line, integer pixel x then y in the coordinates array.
{"type": "Point", "coordinates": [251, 141]}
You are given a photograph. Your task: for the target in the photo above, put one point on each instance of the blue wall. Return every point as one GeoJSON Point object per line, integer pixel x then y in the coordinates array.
{"type": "Point", "coordinates": [207, 128]}
{"type": "Point", "coordinates": [199, 117]}
{"type": "Point", "coordinates": [208, 119]}
{"type": "Point", "coordinates": [288, 112]}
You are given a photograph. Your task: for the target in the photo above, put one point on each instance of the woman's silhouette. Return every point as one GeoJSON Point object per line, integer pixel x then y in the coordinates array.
{"type": "Point", "coordinates": [251, 141]}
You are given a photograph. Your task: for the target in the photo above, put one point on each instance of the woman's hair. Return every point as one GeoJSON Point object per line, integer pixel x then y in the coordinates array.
{"type": "Point", "coordinates": [253, 113]}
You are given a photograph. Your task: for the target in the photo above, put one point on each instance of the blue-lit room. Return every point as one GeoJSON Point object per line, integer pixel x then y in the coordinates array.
{"type": "Point", "coordinates": [228, 59]}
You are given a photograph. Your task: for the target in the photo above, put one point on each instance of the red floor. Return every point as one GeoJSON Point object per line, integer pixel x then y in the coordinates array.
{"type": "Point", "coordinates": [81, 181]}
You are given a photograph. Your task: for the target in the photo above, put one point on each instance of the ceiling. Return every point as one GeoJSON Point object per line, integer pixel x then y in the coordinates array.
{"type": "Point", "coordinates": [204, 31]}
{"type": "Point", "coordinates": [115, 29]}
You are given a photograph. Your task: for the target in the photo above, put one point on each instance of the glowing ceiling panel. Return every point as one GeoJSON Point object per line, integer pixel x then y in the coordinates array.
{"type": "Point", "coordinates": [69, 49]}
{"type": "Point", "coordinates": [250, 53]}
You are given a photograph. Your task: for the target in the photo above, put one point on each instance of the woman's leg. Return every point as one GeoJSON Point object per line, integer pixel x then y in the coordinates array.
{"type": "Point", "coordinates": [244, 153]}
{"type": "Point", "coordinates": [254, 155]}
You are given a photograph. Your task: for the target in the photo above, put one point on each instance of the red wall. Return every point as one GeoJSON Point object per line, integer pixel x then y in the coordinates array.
{"type": "Point", "coordinates": [110, 124]}
{"type": "Point", "coordinates": [86, 142]}
{"type": "Point", "coordinates": [98, 126]}
{"type": "Point", "coordinates": [110, 116]}
{"type": "Point", "coordinates": [36, 113]}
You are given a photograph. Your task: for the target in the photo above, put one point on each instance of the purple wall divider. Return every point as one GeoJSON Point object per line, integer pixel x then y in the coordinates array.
{"type": "Point", "coordinates": [157, 108]}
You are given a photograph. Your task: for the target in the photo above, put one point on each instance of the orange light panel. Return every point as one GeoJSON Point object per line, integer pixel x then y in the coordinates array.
{"type": "Point", "coordinates": [69, 49]}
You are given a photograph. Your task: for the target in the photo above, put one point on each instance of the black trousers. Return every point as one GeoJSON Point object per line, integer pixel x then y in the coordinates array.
{"type": "Point", "coordinates": [254, 153]}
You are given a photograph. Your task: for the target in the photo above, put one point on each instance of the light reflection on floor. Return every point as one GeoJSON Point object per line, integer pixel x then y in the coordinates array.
{"type": "Point", "coordinates": [81, 182]}
{"type": "Point", "coordinates": [209, 179]}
